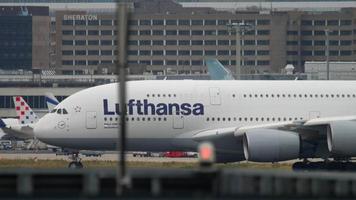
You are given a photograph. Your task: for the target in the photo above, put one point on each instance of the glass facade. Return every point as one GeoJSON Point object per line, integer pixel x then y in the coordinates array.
{"type": "Point", "coordinates": [15, 42]}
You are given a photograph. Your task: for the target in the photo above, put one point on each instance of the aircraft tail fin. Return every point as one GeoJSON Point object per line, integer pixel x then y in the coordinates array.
{"type": "Point", "coordinates": [217, 71]}
{"type": "Point", "coordinates": [24, 111]}
{"type": "Point", "coordinates": [2, 124]}
{"type": "Point", "coordinates": [51, 101]}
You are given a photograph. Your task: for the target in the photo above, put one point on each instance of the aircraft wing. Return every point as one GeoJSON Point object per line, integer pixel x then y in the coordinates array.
{"type": "Point", "coordinates": [296, 126]}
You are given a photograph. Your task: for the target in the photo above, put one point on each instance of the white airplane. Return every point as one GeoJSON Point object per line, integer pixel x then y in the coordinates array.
{"type": "Point", "coordinates": [261, 121]}
{"type": "Point", "coordinates": [22, 126]}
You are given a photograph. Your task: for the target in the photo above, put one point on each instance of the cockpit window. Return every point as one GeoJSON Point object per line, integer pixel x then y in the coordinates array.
{"type": "Point", "coordinates": [54, 110]}
{"type": "Point", "coordinates": [59, 111]}
{"type": "Point", "coordinates": [64, 111]}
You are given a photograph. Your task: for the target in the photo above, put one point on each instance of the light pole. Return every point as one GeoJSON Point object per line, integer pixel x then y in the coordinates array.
{"type": "Point", "coordinates": [239, 29]}
{"type": "Point", "coordinates": [327, 31]}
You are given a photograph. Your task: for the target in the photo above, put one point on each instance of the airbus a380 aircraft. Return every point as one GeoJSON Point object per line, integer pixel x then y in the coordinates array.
{"type": "Point", "coordinates": [262, 121]}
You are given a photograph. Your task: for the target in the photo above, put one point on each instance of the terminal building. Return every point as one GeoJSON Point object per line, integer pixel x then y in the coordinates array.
{"type": "Point", "coordinates": [165, 36]}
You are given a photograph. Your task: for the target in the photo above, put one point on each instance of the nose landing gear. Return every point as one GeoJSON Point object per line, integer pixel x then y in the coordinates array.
{"type": "Point", "coordinates": [76, 161]}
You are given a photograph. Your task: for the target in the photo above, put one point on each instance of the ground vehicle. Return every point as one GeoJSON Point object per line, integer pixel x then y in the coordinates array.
{"type": "Point", "coordinates": [91, 153]}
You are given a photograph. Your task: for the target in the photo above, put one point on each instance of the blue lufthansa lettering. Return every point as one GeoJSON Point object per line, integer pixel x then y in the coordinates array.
{"type": "Point", "coordinates": [144, 107]}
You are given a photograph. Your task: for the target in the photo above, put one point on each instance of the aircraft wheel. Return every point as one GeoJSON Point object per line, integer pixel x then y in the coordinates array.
{"type": "Point", "coordinates": [75, 165]}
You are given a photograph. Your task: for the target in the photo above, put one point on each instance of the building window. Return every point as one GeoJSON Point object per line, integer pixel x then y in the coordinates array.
{"type": "Point", "coordinates": [307, 42]}
{"type": "Point", "coordinates": [197, 32]}
{"type": "Point", "coordinates": [184, 22]}
{"type": "Point", "coordinates": [319, 32]}
{"type": "Point", "coordinates": [171, 22]}
{"type": "Point", "coordinates": [132, 52]}
{"type": "Point", "coordinates": [249, 52]}
{"type": "Point", "coordinates": [106, 22]}
{"type": "Point", "coordinates": [223, 42]}
{"type": "Point", "coordinates": [333, 53]}
{"type": "Point", "coordinates": [262, 62]}
{"type": "Point", "coordinates": [106, 52]}
{"type": "Point", "coordinates": [67, 32]}
{"type": "Point", "coordinates": [171, 32]}
{"type": "Point", "coordinates": [93, 52]}
{"type": "Point", "coordinates": [171, 62]}
{"type": "Point", "coordinates": [345, 53]}
{"type": "Point", "coordinates": [197, 62]}
{"type": "Point", "coordinates": [184, 42]}
{"type": "Point", "coordinates": [210, 52]}
{"type": "Point", "coordinates": [197, 22]}
{"type": "Point", "coordinates": [307, 53]}
{"type": "Point", "coordinates": [67, 22]}
{"type": "Point", "coordinates": [184, 32]}
{"type": "Point", "coordinates": [210, 22]}
{"type": "Point", "coordinates": [210, 32]}
{"type": "Point", "coordinates": [263, 32]}
{"type": "Point", "coordinates": [133, 42]}
{"type": "Point", "coordinates": [345, 22]}
{"type": "Point", "coordinates": [171, 52]}
{"type": "Point", "coordinates": [171, 42]}
{"type": "Point", "coordinates": [93, 42]}
{"type": "Point", "coordinates": [249, 42]}
{"type": "Point", "coordinates": [133, 22]}
{"type": "Point", "coordinates": [157, 32]}
{"type": "Point", "coordinates": [67, 62]}
{"type": "Point", "coordinates": [262, 42]}
{"type": "Point", "coordinates": [80, 52]}
{"type": "Point", "coordinates": [319, 42]}
{"type": "Point", "coordinates": [93, 62]}
{"type": "Point", "coordinates": [334, 42]}
{"type": "Point", "coordinates": [80, 32]}
{"type": "Point", "coordinates": [106, 32]}
{"type": "Point", "coordinates": [292, 53]}
{"type": "Point", "coordinates": [263, 22]}
{"type": "Point", "coordinates": [80, 62]}
{"type": "Point", "coordinates": [145, 22]}
{"type": "Point", "coordinates": [106, 42]}
{"type": "Point", "coordinates": [249, 62]}
{"type": "Point", "coordinates": [319, 22]}
{"type": "Point", "coordinates": [345, 32]}
{"type": "Point", "coordinates": [319, 53]}
{"type": "Point", "coordinates": [145, 53]}
{"type": "Point", "coordinates": [197, 53]}
{"type": "Point", "coordinates": [307, 23]}
{"type": "Point", "coordinates": [223, 52]}
{"type": "Point", "coordinates": [197, 42]}
{"type": "Point", "coordinates": [133, 32]}
{"type": "Point", "coordinates": [158, 22]}
{"type": "Point", "coordinates": [307, 32]}
{"type": "Point", "coordinates": [157, 62]}
{"type": "Point", "coordinates": [80, 22]}
{"type": "Point", "coordinates": [145, 32]}
{"type": "Point", "coordinates": [346, 42]}
{"type": "Point", "coordinates": [333, 22]}
{"type": "Point", "coordinates": [183, 62]}
{"type": "Point", "coordinates": [67, 42]}
{"type": "Point", "coordinates": [93, 32]}
{"type": "Point", "coordinates": [263, 52]}
{"type": "Point", "coordinates": [157, 42]}
{"type": "Point", "coordinates": [223, 22]}
{"type": "Point", "coordinates": [210, 42]}
{"type": "Point", "coordinates": [183, 52]}
{"type": "Point", "coordinates": [157, 53]}
{"type": "Point", "coordinates": [80, 42]}
{"type": "Point", "coordinates": [223, 32]}
{"type": "Point", "coordinates": [145, 42]}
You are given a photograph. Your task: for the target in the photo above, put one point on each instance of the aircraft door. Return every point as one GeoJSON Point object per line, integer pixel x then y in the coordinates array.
{"type": "Point", "coordinates": [215, 97]}
{"type": "Point", "coordinates": [314, 114]}
{"type": "Point", "coordinates": [178, 122]}
{"type": "Point", "coordinates": [91, 120]}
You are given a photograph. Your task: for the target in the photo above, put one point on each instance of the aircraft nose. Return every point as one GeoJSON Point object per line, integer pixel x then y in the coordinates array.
{"type": "Point", "coordinates": [42, 129]}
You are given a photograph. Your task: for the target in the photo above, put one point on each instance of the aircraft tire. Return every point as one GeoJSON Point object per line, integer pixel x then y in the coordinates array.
{"type": "Point", "coordinates": [75, 165]}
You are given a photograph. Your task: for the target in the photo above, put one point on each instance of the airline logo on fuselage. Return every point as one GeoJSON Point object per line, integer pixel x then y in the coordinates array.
{"type": "Point", "coordinates": [144, 107]}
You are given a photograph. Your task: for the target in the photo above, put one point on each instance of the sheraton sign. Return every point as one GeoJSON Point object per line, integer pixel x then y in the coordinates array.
{"type": "Point", "coordinates": [80, 17]}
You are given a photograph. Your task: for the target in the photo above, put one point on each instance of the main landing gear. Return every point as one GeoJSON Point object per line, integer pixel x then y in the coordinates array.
{"type": "Point", "coordinates": [324, 165]}
{"type": "Point", "coordinates": [76, 161]}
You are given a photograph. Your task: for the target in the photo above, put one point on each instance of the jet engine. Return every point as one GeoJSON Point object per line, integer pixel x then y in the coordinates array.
{"type": "Point", "coordinates": [268, 145]}
{"type": "Point", "coordinates": [341, 137]}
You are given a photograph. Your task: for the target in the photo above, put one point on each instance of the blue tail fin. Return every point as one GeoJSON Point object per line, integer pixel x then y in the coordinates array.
{"type": "Point", "coordinates": [2, 124]}
{"type": "Point", "coordinates": [217, 71]}
{"type": "Point", "coordinates": [51, 101]}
